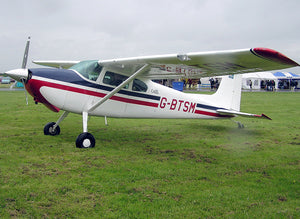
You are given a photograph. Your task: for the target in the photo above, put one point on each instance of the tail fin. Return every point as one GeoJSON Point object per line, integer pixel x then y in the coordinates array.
{"type": "Point", "coordinates": [228, 95]}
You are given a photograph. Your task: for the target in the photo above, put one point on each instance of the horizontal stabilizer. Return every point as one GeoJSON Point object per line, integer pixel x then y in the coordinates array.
{"type": "Point", "coordinates": [237, 113]}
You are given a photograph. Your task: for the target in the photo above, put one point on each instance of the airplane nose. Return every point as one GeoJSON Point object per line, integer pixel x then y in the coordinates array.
{"type": "Point", "coordinates": [18, 74]}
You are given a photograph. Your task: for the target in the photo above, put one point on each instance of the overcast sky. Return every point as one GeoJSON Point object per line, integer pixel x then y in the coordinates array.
{"type": "Point", "coordinates": [98, 29]}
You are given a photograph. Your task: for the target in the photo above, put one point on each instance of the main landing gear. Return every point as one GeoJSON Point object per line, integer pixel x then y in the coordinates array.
{"type": "Point", "coordinates": [84, 140]}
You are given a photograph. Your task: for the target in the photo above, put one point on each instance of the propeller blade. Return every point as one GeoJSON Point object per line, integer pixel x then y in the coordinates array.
{"type": "Point", "coordinates": [24, 63]}
{"type": "Point", "coordinates": [14, 84]}
{"type": "Point", "coordinates": [23, 80]}
{"type": "Point", "coordinates": [22, 74]}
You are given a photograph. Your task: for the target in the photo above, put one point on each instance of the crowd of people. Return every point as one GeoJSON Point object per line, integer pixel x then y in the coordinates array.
{"type": "Point", "coordinates": [191, 83]}
{"type": "Point", "coordinates": [286, 84]}
{"type": "Point", "coordinates": [214, 83]}
{"type": "Point", "coordinates": [267, 85]}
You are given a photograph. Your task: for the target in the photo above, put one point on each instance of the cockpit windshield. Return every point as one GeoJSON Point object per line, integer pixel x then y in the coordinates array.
{"type": "Point", "coordinates": [88, 69]}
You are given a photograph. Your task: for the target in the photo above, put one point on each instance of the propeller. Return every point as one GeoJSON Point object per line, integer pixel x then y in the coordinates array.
{"type": "Point", "coordinates": [24, 63]}
{"type": "Point", "coordinates": [21, 75]}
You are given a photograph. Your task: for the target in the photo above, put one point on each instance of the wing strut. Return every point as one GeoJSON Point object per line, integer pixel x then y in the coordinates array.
{"type": "Point", "coordinates": [118, 88]}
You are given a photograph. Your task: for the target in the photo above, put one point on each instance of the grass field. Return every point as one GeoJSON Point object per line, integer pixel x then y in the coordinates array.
{"type": "Point", "coordinates": [152, 168]}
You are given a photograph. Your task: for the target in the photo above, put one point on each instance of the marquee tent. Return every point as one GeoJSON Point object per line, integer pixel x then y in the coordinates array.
{"type": "Point", "coordinates": [257, 79]}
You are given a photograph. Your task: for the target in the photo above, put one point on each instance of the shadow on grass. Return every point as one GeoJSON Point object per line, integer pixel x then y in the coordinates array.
{"type": "Point", "coordinates": [169, 134]}
{"type": "Point", "coordinates": [226, 127]}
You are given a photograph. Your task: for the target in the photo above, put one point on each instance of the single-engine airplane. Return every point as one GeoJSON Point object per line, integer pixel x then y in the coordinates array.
{"type": "Point", "coordinates": [124, 88]}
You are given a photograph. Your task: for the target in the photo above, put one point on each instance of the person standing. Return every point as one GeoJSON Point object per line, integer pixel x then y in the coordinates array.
{"type": "Point", "coordinates": [212, 83]}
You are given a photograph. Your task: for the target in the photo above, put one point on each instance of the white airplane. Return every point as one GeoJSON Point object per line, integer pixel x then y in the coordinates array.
{"type": "Point", "coordinates": [124, 87]}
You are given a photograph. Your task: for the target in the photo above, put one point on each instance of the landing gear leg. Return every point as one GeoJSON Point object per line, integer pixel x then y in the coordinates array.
{"type": "Point", "coordinates": [53, 128]}
{"type": "Point", "coordinates": [85, 139]}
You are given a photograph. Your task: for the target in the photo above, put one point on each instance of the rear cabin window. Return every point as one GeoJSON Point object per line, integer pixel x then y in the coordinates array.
{"type": "Point", "coordinates": [139, 85]}
{"type": "Point", "coordinates": [114, 79]}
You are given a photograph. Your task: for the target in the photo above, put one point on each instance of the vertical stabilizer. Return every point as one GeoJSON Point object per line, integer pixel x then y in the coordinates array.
{"type": "Point", "coordinates": [228, 94]}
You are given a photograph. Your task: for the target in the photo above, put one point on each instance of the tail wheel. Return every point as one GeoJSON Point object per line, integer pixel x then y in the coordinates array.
{"type": "Point", "coordinates": [85, 140]}
{"type": "Point", "coordinates": [49, 129]}
{"type": "Point", "coordinates": [240, 125]}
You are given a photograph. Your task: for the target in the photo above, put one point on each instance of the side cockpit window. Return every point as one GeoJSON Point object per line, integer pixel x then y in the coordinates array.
{"type": "Point", "coordinates": [114, 79]}
{"type": "Point", "coordinates": [88, 69]}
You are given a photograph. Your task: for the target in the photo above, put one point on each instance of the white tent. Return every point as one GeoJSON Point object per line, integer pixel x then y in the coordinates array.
{"type": "Point", "coordinates": [287, 80]}
{"type": "Point", "coordinates": [256, 79]}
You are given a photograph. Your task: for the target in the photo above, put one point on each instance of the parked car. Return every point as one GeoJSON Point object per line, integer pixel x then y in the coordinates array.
{"type": "Point", "coordinates": [5, 80]}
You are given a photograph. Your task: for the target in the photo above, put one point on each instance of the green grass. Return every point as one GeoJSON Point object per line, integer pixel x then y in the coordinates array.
{"type": "Point", "coordinates": [152, 168]}
{"type": "Point", "coordinates": [5, 85]}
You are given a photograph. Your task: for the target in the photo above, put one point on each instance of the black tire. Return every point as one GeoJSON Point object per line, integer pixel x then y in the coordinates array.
{"type": "Point", "coordinates": [48, 129]}
{"type": "Point", "coordinates": [85, 140]}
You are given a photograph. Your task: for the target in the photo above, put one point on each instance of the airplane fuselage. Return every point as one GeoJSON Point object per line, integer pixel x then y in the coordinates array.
{"type": "Point", "coordinates": [68, 90]}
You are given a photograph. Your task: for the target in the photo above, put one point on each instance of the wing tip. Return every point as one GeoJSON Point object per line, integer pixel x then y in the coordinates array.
{"type": "Point", "coordinates": [274, 56]}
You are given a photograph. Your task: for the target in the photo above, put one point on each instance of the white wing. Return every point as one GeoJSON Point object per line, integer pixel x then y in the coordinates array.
{"type": "Point", "coordinates": [195, 65]}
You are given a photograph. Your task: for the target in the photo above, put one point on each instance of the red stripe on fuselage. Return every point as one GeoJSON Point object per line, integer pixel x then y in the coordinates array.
{"type": "Point", "coordinates": [38, 84]}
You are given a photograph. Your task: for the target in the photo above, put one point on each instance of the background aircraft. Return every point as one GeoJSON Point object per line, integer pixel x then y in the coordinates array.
{"type": "Point", "coordinates": [124, 87]}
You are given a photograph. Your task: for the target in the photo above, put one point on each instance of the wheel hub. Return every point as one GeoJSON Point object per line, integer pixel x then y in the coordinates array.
{"type": "Point", "coordinates": [51, 130]}
{"type": "Point", "coordinates": [86, 143]}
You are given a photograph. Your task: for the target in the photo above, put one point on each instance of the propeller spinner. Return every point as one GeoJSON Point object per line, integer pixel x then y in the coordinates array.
{"type": "Point", "coordinates": [18, 74]}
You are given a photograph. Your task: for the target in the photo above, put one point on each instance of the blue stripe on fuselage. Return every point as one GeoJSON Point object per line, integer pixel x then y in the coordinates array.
{"type": "Point", "coordinates": [208, 107]}
{"type": "Point", "coordinates": [72, 77]}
